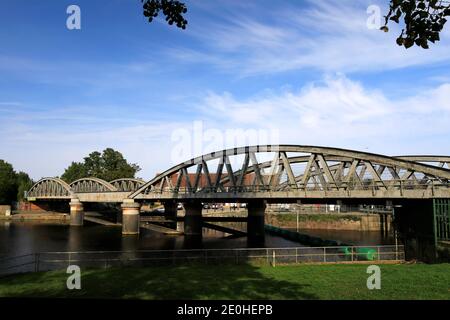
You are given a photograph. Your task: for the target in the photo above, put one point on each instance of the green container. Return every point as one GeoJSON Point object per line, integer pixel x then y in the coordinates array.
{"type": "Point", "coordinates": [363, 253]}
{"type": "Point", "coordinates": [367, 253]}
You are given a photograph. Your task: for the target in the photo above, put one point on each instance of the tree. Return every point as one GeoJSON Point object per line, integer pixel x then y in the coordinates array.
{"type": "Point", "coordinates": [114, 166]}
{"type": "Point", "coordinates": [172, 9]}
{"type": "Point", "coordinates": [8, 183]}
{"type": "Point", "coordinates": [24, 183]}
{"type": "Point", "coordinates": [108, 165]}
{"type": "Point", "coordinates": [93, 165]}
{"type": "Point", "coordinates": [423, 19]}
{"type": "Point", "coordinates": [75, 171]}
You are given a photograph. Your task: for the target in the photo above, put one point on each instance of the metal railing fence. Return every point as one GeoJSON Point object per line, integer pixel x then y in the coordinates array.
{"type": "Point", "coordinates": [391, 184]}
{"type": "Point", "coordinates": [45, 261]}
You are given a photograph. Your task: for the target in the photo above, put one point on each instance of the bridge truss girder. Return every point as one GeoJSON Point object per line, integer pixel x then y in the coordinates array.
{"type": "Point", "coordinates": [327, 172]}
{"type": "Point", "coordinates": [295, 172]}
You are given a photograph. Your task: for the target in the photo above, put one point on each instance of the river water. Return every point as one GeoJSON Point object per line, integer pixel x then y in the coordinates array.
{"type": "Point", "coordinates": [17, 238]}
{"type": "Point", "coordinates": [359, 238]}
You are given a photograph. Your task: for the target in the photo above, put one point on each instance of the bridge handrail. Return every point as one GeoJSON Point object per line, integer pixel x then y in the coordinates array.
{"type": "Point", "coordinates": [369, 185]}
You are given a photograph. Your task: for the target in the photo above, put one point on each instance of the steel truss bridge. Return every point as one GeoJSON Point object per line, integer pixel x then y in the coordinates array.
{"type": "Point", "coordinates": [283, 173]}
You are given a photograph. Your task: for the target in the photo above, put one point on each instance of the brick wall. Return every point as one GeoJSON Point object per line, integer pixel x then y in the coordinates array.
{"type": "Point", "coordinates": [54, 206]}
{"type": "Point", "coordinates": [4, 209]}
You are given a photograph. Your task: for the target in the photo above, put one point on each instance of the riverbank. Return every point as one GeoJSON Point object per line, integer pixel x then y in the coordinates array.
{"type": "Point", "coordinates": [36, 216]}
{"type": "Point", "coordinates": [331, 221]}
{"type": "Point", "coordinates": [399, 281]}
{"type": "Point", "coordinates": [288, 220]}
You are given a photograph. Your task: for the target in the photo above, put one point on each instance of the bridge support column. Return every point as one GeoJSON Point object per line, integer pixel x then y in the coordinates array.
{"type": "Point", "coordinates": [339, 205]}
{"type": "Point", "coordinates": [193, 219]}
{"type": "Point", "coordinates": [76, 212]}
{"type": "Point", "coordinates": [415, 223]}
{"type": "Point", "coordinates": [170, 211]}
{"type": "Point", "coordinates": [130, 217]}
{"type": "Point", "coordinates": [255, 223]}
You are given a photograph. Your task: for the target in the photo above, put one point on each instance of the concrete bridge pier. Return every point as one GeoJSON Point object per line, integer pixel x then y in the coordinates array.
{"type": "Point", "coordinates": [193, 219]}
{"type": "Point", "coordinates": [255, 223]}
{"type": "Point", "coordinates": [414, 221]}
{"type": "Point", "coordinates": [170, 212]}
{"type": "Point", "coordinates": [130, 217]}
{"type": "Point", "coordinates": [76, 212]}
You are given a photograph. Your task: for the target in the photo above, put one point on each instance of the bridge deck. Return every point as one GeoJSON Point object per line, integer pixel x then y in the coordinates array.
{"type": "Point", "coordinates": [289, 196]}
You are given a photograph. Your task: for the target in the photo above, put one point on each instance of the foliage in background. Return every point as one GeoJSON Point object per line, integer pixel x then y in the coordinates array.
{"type": "Point", "coordinates": [108, 165]}
{"type": "Point", "coordinates": [423, 20]}
{"type": "Point", "coordinates": [8, 183]}
{"type": "Point", "coordinates": [24, 183]}
{"type": "Point", "coordinates": [12, 184]}
{"type": "Point", "coordinates": [172, 9]}
{"type": "Point", "coordinates": [75, 171]}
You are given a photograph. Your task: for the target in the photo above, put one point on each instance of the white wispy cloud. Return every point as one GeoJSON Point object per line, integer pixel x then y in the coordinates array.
{"type": "Point", "coordinates": [328, 35]}
{"type": "Point", "coordinates": [341, 112]}
{"type": "Point", "coordinates": [322, 37]}
{"type": "Point", "coordinates": [336, 111]}
{"type": "Point", "coordinates": [336, 98]}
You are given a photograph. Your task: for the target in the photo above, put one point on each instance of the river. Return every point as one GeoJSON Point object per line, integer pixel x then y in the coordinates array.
{"type": "Point", "coordinates": [18, 238]}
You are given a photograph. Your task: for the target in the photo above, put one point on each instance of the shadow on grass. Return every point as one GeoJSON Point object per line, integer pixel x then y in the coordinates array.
{"type": "Point", "coordinates": [193, 281]}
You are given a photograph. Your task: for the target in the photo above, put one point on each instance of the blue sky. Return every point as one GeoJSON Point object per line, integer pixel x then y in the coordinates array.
{"type": "Point", "coordinates": [300, 72]}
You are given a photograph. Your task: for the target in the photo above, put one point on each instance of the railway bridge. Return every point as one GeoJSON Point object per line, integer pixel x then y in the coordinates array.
{"type": "Point", "coordinates": [267, 174]}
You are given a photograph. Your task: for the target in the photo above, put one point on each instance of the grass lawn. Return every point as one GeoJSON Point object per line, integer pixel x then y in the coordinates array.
{"type": "Point", "coordinates": [401, 281]}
